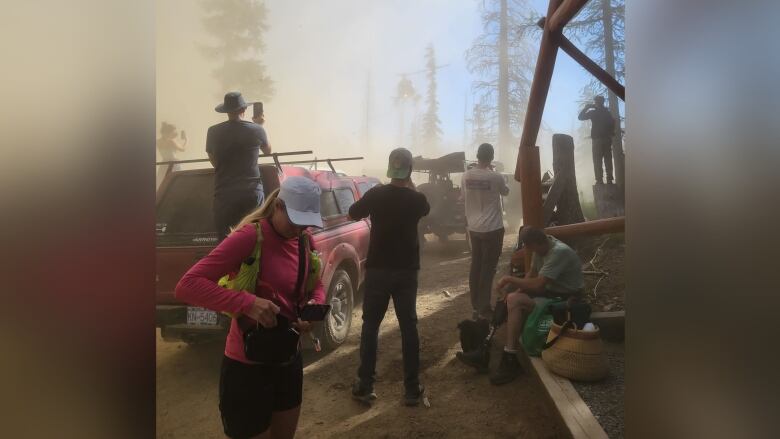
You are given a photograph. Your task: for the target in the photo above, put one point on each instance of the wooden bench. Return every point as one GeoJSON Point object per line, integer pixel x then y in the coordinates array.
{"type": "Point", "coordinates": [574, 414]}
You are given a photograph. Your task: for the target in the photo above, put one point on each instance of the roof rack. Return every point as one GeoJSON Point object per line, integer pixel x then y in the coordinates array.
{"type": "Point", "coordinates": [275, 156]}
{"type": "Point", "coordinates": [328, 161]}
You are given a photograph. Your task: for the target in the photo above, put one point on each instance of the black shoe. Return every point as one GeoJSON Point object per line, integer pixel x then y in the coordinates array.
{"type": "Point", "coordinates": [412, 397]}
{"type": "Point", "coordinates": [507, 371]}
{"type": "Point", "coordinates": [478, 358]}
{"type": "Point", "coordinates": [363, 394]}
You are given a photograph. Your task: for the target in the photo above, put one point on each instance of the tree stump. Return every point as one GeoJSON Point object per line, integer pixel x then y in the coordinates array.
{"type": "Point", "coordinates": [609, 200]}
{"type": "Point", "coordinates": [562, 205]}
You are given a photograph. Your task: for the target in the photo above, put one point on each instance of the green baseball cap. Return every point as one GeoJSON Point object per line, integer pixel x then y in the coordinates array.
{"type": "Point", "coordinates": [400, 164]}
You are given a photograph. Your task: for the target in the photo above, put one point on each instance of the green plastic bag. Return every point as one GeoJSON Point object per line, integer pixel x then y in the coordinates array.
{"type": "Point", "coordinates": [537, 326]}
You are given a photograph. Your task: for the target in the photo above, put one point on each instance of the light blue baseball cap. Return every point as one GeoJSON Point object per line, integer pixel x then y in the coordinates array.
{"type": "Point", "coordinates": [301, 198]}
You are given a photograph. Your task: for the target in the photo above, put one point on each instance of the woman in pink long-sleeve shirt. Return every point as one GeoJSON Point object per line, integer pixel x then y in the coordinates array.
{"type": "Point", "coordinates": [260, 400]}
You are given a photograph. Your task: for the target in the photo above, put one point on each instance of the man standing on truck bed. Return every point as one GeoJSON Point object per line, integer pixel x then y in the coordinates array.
{"type": "Point", "coordinates": [233, 147]}
{"type": "Point", "coordinates": [392, 267]}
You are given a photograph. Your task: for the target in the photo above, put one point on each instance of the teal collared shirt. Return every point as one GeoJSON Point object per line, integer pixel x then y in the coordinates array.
{"type": "Point", "coordinates": [561, 266]}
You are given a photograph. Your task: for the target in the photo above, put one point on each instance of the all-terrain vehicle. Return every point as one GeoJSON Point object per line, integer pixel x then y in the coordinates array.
{"type": "Point", "coordinates": [448, 211]}
{"type": "Point", "coordinates": [186, 233]}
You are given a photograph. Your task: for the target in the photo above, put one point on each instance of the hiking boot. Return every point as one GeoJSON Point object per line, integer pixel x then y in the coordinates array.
{"type": "Point", "coordinates": [412, 397]}
{"type": "Point", "coordinates": [363, 394]}
{"type": "Point", "coordinates": [478, 358]}
{"type": "Point", "coordinates": [508, 370]}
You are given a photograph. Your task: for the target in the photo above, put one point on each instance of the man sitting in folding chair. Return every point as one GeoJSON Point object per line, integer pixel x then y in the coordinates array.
{"type": "Point", "coordinates": [556, 271]}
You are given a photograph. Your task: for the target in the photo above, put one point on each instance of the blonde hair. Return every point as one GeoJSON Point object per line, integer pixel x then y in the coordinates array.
{"type": "Point", "coordinates": [264, 211]}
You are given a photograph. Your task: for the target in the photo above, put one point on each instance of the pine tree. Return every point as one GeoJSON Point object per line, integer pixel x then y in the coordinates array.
{"type": "Point", "coordinates": [431, 130]}
{"type": "Point", "coordinates": [481, 131]}
{"type": "Point", "coordinates": [502, 58]}
{"type": "Point", "coordinates": [237, 27]}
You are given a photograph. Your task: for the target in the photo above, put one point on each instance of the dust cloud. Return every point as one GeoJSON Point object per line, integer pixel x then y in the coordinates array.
{"type": "Point", "coordinates": [334, 67]}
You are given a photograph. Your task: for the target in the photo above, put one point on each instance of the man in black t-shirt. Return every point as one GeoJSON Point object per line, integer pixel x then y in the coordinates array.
{"type": "Point", "coordinates": [233, 147]}
{"type": "Point", "coordinates": [392, 267]}
{"type": "Point", "coordinates": [602, 129]}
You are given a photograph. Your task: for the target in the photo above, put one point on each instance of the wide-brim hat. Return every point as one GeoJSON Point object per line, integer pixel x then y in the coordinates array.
{"type": "Point", "coordinates": [233, 102]}
{"type": "Point", "coordinates": [301, 198]}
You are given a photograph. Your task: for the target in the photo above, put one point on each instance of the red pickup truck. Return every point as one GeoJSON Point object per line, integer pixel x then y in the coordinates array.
{"type": "Point", "coordinates": [186, 233]}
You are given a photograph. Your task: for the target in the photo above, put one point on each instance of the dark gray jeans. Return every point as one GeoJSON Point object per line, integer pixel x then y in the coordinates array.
{"type": "Point", "coordinates": [602, 156]}
{"type": "Point", "coordinates": [381, 285]}
{"type": "Point", "coordinates": [231, 208]}
{"type": "Point", "coordinates": [485, 250]}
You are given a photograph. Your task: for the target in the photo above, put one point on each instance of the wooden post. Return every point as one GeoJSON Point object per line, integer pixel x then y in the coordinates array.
{"type": "Point", "coordinates": [528, 168]}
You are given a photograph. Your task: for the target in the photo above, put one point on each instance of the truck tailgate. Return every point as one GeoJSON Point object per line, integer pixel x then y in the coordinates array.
{"type": "Point", "coordinates": [172, 263]}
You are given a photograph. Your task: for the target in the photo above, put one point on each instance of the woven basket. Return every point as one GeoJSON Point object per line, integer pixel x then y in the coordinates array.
{"type": "Point", "coordinates": [577, 355]}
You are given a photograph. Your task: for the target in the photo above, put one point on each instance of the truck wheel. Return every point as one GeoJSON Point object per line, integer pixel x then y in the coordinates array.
{"type": "Point", "coordinates": [335, 328]}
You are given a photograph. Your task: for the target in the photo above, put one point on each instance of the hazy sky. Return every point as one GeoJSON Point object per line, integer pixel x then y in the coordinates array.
{"type": "Point", "coordinates": [320, 54]}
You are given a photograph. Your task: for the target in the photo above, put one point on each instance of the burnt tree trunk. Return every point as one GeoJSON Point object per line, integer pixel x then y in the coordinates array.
{"type": "Point", "coordinates": [562, 205]}
{"type": "Point", "coordinates": [505, 146]}
{"type": "Point", "coordinates": [609, 60]}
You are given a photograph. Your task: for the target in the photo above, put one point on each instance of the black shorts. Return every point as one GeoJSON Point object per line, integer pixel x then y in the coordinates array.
{"type": "Point", "coordinates": [249, 394]}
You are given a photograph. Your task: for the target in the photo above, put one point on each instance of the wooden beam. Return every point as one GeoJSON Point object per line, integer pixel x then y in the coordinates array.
{"type": "Point", "coordinates": [596, 227]}
{"type": "Point", "coordinates": [528, 168]}
{"type": "Point", "coordinates": [564, 14]}
{"type": "Point", "coordinates": [594, 69]}
{"type": "Point", "coordinates": [545, 65]}
{"type": "Point", "coordinates": [573, 416]}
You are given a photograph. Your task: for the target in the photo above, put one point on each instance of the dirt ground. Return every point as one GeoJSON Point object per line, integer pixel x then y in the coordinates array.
{"type": "Point", "coordinates": [463, 403]}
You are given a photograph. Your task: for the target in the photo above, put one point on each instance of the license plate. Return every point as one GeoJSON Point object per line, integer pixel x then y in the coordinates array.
{"type": "Point", "coordinates": [201, 317]}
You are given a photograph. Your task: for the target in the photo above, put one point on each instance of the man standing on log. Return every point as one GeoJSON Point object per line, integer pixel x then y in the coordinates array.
{"type": "Point", "coordinates": [482, 190]}
{"type": "Point", "coordinates": [392, 267]}
{"type": "Point", "coordinates": [601, 131]}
